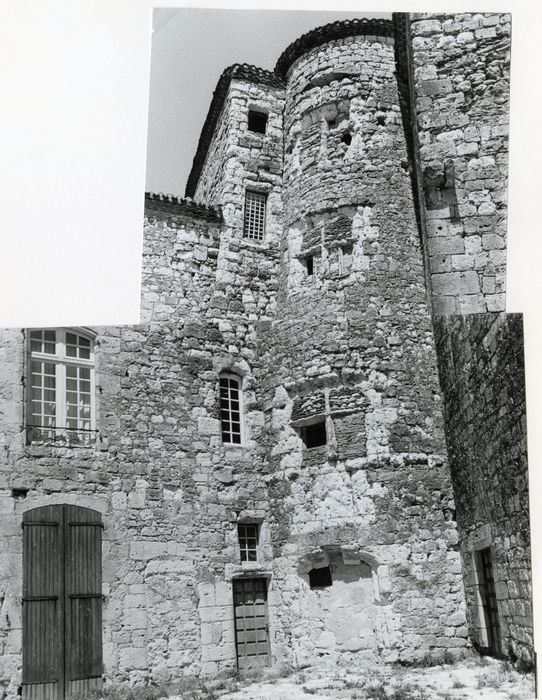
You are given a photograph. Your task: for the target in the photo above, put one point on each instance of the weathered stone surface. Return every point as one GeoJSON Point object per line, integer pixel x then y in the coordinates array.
{"type": "Point", "coordinates": [352, 344]}
{"type": "Point", "coordinates": [482, 376]}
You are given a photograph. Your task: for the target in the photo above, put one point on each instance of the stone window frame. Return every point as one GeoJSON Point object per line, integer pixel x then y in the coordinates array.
{"type": "Point", "coordinates": [78, 430]}
{"type": "Point", "coordinates": [320, 578]}
{"type": "Point", "coordinates": [246, 524]}
{"type": "Point", "coordinates": [346, 257]}
{"type": "Point", "coordinates": [254, 219]}
{"type": "Point", "coordinates": [260, 111]}
{"type": "Point", "coordinates": [300, 425]}
{"type": "Point", "coordinates": [230, 376]}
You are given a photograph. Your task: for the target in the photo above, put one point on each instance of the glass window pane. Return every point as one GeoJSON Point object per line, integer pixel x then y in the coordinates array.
{"type": "Point", "coordinates": [71, 351]}
{"type": "Point", "coordinates": [84, 372]}
{"type": "Point", "coordinates": [50, 335]}
{"type": "Point", "coordinates": [71, 371]}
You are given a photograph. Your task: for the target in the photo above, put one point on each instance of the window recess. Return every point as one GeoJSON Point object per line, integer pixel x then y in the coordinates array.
{"type": "Point", "coordinates": [314, 433]}
{"type": "Point", "coordinates": [257, 121]}
{"type": "Point", "coordinates": [230, 408]}
{"type": "Point", "coordinates": [60, 387]}
{"type": "Point", "coordinates": [254, 217]}
{"type": "Point", "coordinates": [320, 578]}
{"type": "Point", "coordinates": [248, 534]}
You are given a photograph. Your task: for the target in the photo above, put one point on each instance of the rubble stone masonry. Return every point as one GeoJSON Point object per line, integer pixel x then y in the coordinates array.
{"type": "Point", "coordinates": [482, 376]}
{"type": "Point", "coordinates": [331, 319]}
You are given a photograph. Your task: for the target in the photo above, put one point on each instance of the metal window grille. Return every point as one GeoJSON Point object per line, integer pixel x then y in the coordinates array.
{"type": "Point", "coordinates": [60, 388]}
{"type": "Point", "coordinates": [248, 542]}
{"type": "Point", "coordinates": [254, 224]}
{"type": "Point", "coordinates": [230, 409]}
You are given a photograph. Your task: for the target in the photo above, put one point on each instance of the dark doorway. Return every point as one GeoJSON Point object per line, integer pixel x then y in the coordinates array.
{"type": "Point", "coordinates": [251, 623]}
{"type": "Point", "coordinates": [62, 602]}
{"type": "Point", "coordinates": [489, 603]}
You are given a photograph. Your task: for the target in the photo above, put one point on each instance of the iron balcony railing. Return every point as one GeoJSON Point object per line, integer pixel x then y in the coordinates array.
{"type": "Point", "coordinates": [60, 437]}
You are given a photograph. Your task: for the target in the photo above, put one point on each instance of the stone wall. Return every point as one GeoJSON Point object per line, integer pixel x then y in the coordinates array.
{"type": "Point", "coordinates": [482, 376]}
{"type": "Point", "coordinates": [326, 320]}
{"type": "Point", "coordinates": [341, 121]}
{"type": "Point", "coordinates": [460, 72]}
{"type": "Point", "coordinates": [349, 347]}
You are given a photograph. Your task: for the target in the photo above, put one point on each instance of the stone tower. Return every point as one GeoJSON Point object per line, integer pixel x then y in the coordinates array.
{"type": "Point", "coordinates": [353, 455]}
{"type": "Point", "coordinates": [265, 474]}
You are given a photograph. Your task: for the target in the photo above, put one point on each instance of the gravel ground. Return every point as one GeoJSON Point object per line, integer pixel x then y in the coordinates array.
{"type": "Point", "coordinates": [480, 679]}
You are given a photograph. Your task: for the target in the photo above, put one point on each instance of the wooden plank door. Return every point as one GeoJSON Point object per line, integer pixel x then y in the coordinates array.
{"type": "Point", "coordinates": [62, 635]}
{"type": "Point", "coordinates": [251, 622]}
{"type": "Point", "coordinates": [43, 615]}
{"type": "Point", "coordinates": [489, 601]}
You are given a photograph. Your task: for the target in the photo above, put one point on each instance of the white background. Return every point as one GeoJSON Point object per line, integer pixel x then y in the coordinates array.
{"type": "Point", "coordinates": [74, 77]}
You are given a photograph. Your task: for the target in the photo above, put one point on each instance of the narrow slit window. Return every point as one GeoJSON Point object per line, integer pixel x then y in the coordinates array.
{"type": "Point", "coordinates": [309, 263]}
{"type": "Point", "coordinates": [257, 121]}
{"type": "Point", "coordinates": [314, 435]}
{"type": "Point", "coordinates": [345, 257]}
{"type": "Point", "coordinates": [248, 541]}
{"type": "Point", "coordinates": [254, 223]}
{"type": "Point", "coordinates": [320, 578]}
{"type": "Point", "coordinates": [230, 408]}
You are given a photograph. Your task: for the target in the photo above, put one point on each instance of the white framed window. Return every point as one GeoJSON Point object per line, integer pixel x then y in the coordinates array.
{"type": "Point", "coordinates": [60, 387]}
{"type": "Point", "coordinates": [248, 535]}
{"type": "Point", "coordinates": [254, 221]}
{"type": "Point", "coordinates": [231, 407]}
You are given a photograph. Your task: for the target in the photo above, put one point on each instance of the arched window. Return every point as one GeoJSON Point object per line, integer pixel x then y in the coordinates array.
{"type": "Point", "coordinates": [231, 408]}
{"type": "Point", "coordinates": [60, 387]}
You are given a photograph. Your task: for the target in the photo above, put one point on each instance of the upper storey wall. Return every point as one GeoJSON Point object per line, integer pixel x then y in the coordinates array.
{"type": "Point", "coordinates": [238, 158]}
{"type": "Point", "coordinates": [342, 126]}
{"type": "Point", "coordinates": [460, 67]}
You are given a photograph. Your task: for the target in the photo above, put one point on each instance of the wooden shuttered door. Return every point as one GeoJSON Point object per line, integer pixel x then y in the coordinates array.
{"type": "Point", "coordinates": [62, 601]}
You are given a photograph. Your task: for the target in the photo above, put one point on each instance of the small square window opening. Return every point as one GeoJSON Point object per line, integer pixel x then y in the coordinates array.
{"type": "Point", "coordinates": [257, 121]}
{"type": "Point", "coordinates": [248, 541]}
{"type": "Point", "coordinates": [320, 578]}
{"type": "Point", "coordinates": [254, 222]}
{"type": "Point", "coordinates": [314, 435]}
